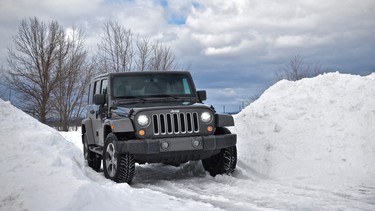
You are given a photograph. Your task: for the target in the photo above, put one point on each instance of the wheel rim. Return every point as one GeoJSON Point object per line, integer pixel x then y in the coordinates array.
{"type": "Point", "coordinates": [111, 160]}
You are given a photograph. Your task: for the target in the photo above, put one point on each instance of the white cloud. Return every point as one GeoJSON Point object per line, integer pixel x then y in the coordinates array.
{"type": "Point", "coordinates": [248, 38]}
{"type": "Point", "coordinates": [229, 27]}
{"type": "Point", "coordinates": [228, 92]}
{"type": "Point", "coordinates": [217, 27]}
{"type": "Point", "coordinates": [302, 41]}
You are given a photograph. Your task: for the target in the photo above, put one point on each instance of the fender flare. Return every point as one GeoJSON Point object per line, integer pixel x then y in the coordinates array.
{"type": "Point", "coordinates": [120, 125]}
{"type": "Point", "coordinates": [224, 120]}
{"type": "Point", "coordinates": [88, 129]}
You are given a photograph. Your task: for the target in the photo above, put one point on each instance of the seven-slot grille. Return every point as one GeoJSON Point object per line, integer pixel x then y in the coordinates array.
{"type": "Point", "coordinates": [175, 123]}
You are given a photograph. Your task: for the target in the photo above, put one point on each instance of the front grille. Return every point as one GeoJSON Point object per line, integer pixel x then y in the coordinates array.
{"type": "Point", "coordinates": [175, 123]}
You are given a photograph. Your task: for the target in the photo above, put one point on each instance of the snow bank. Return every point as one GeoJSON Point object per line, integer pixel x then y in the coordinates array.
{"type": "Point", "coordinates": [36, 163]}
{"type": "Point", "coordinates": [319, 130]}
{"type": "Point", "coordinates": [40, 170]}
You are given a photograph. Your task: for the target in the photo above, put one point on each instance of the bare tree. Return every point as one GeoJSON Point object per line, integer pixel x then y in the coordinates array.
{"type": "Point", "coordinates": [33, 70]}
{"type": "Point", "coordinates": [74, 75]}
{"type": "Point", "coordinates": [162, 58]}
{"type": "Point", "coordinates": [296, 69]}
{"type": "Point", "coordinates": [48, 70]}
{"type": "Point", "coordinates": [115, 51]}
{"type": "Point", "coordinates": [144, 49]}
{"type": "Point", "coordinates": [121, 51]}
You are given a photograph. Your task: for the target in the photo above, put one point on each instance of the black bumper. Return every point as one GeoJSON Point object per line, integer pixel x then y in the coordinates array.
{"type": "Point", "coordinates": [178, 144]}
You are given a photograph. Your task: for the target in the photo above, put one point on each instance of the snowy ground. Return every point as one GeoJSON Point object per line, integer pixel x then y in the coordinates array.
{"type": "Point", "coordinates": [306, 145]}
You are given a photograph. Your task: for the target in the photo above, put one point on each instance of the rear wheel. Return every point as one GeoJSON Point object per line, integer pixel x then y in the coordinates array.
{"type": "Point", "coordinates": [117, 167]}
{"type": "Point", "coordinates": [93, 160]}
{"type": "Point", "coordinates": [223, 163]}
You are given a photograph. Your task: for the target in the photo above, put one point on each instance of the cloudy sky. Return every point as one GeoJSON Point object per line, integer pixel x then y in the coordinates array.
{"type": "Point", "coordinates": [235, 46]}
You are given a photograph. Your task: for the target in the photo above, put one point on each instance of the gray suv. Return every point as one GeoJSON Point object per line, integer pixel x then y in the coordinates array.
{"type": "Point", "coordinates": [153, 117]}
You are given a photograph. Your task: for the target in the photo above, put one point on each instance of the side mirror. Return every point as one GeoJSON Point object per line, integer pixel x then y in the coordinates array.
{"type": "Point", "coordinates": [202, 95]}
{"type": "Point", "coordinates": [99, 99]}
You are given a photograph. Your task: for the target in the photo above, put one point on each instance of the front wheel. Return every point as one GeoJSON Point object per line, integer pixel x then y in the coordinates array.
{"type": "Point", "coordinates": [222, 163]}
{"type": "Point", "coordinates": [117, 167]}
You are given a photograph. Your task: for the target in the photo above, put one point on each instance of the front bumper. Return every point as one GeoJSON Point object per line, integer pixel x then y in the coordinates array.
{"type": "Point", "coordinates": [178, 144]}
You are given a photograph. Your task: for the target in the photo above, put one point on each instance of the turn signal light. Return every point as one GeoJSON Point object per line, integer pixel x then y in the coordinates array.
{"type": "Point", "coordinates": [210, 129]}
{"type": "Point", "coordinates": [141, 132]}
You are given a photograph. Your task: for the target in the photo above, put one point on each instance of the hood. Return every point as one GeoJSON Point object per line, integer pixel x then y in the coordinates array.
{"type": "Point", "coordinates": [127, 110]}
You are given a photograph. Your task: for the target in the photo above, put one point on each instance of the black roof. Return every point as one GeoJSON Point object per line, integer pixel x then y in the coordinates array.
{"type": "Point", "coordinates": [143, 73]}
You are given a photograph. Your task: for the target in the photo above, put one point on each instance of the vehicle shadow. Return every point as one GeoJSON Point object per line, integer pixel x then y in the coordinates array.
{"type": "Point", "coordinates": [154, 173]}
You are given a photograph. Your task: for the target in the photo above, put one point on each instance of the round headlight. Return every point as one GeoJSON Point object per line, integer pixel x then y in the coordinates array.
{"type": "Point", "coordinates": [206, 117]}
{"type": "Point", "coordinates": [142, 120]}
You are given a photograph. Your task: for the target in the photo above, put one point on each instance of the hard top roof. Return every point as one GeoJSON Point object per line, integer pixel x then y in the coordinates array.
{"type": "Point", "coordinates": [143, 73]}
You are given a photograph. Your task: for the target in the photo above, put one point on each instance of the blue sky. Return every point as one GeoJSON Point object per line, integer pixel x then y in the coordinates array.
{"type": "Point", "coordinates": [235, 46]}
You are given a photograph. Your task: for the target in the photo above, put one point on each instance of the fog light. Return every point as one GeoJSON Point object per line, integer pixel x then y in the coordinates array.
{"type": "Point", "coordinates": [141, 132]}
{"type": "Point", "coordinates": [196, 143]}
{"type": "Point", "coordinates": [164, 145]}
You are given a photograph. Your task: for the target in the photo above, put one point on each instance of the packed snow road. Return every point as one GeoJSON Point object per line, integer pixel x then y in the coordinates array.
{"type": "Point", "coordinates": [245, 190]}
{"type": "Point", "coordinates": [248, 193]}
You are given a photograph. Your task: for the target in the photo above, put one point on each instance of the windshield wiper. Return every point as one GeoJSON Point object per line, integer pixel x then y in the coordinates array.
{"type": "Point", "coordinates": [170, 97]}
{"type": "Point", "coordinates": [130, 100]}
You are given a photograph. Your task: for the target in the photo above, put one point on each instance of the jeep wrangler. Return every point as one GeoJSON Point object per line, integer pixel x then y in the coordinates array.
{"type": "Point", "coordinates": [153, 117]}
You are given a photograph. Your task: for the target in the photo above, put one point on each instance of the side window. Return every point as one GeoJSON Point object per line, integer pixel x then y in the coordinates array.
{"type": "Point", "coordinates": [90, 96]}
{"type": "Point", "coordinates": [104, 87]}
{"type": "Point", "coordinates": [94, 89]}
{"type": "Point", "coordinates": [97, 87]}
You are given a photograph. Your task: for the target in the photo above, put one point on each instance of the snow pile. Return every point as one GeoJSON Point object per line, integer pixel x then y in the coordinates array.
{"type": "Point", "coordinates": [40, 170]}
{"type": "Point", "coordinates": [36, 163]}
{"type": "Point", "coordinates": [319, 130]}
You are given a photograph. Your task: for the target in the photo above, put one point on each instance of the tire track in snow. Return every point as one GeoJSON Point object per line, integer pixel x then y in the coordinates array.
{"type": "Point", "coordinates": [241, 192]}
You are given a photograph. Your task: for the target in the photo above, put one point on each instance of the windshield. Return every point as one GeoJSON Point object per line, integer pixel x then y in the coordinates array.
{"type": "Point", "coordinates": [152, 85]}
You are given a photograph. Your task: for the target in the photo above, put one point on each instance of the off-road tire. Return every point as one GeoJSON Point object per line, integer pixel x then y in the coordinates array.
{"type": "Point", "coordinates": [116, 166]}
{"type": "Point", "coordinates": [223, 163]}
{"type": "Point", "coordinates": [93, 160]}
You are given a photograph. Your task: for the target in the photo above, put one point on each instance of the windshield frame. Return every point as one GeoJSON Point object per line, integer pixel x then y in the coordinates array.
{"type": "Point", "coordinates": [156, 74]}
